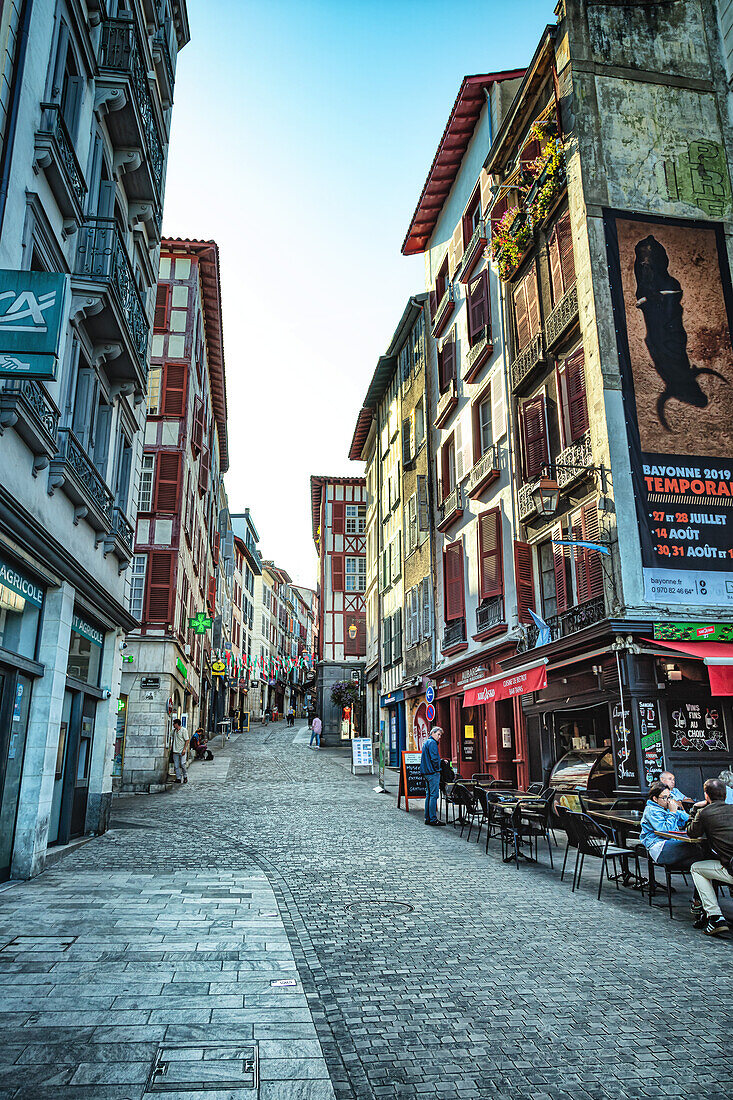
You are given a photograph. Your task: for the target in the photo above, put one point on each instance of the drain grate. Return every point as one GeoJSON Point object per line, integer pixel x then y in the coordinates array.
{"type": "Point", "coordinates": [381, 908]}
{"type": "Point", "coordinates": [220, 1067]}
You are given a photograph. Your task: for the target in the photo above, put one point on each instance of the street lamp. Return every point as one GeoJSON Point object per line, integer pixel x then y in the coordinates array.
{"type": "Point", "coordinates": [546, 496]}
{"type": "Point", "coordinates": [352, 631]}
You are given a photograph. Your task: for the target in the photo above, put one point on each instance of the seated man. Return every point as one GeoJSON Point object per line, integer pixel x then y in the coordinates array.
{"type": "Point", "coordinates": [668, 779]}
{"type": "Point", "coordinates": [663, 813]}
{"type": "Point", "coordinates": [714, 822]}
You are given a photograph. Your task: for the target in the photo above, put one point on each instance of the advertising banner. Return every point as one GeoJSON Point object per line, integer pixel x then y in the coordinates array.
{"type": "Point", "coordinates": [31, 312]}
{"type": "Point", "coordinates": [506, 687]}
{"type": "Point", "coordinates": [672, 303]}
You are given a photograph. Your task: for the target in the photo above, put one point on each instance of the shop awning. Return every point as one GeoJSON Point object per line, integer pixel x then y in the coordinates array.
{"type": "Point", "coordinates": [533, 678]}
{"type": "Point", "coordinates": [717, 656]}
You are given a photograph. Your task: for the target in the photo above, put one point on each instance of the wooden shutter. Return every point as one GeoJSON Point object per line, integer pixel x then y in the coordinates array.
{"type": "Point", "coordinates": [530, 151]}
{"type": "Point", "coordinates": [577, 404]}
{"type": "Point", "coordinates": [555, 266]}
{"type": "Point", "coordinates": [197, 425]}
{"type": "Point", "coordinates": [397, 635]}
{"type": "Point", "coordinates": [458, 446]}
{"type": "Point", "coordinates": [337, 572]}
{"type": "Point", "coordinates": [387, 641]}
{"type": "Point", "coordinates": [167, 482]}
{"type": "Point", "coordinates": [491, 575]}
{"type": "Point", "coordinates": [453, 581]}
{"type": "Point", "coordinates": [339, 513]}
{"type": "Point", "coordinates": [204, 470]}
{"type": "Point", "coordinates": [580, 555]}
{"type": "Point", "coordinates": [524, 575]}
{"type": "Point", "coordinates": [565, 245]}
{"type": "Point", "coordinates": [412, 523]}
{"type": "Point", "coordinates": [455, 250]}
{"type": "Point", "coordinates": [211, 593]}
{"type": "Point", "coordinates": [361, 636]}
{"type": "Point", "coordinates": [215, 548]}
{"type": "Point", "coordinates": [433, 303]}
{"type": "Point", "coordinates": [498, 407]}
{"type": "Point", "coordinates": [534, 426]}
{"type": "Point", "coordinates": [427, 606]}
{"type": "Point", "coordinates": [160, 592]}
{"type": "Point", "coordinates": [162, 299]}
{"type": "Point", "coordinates": [478, 304]}
{"type": "Point", "coordinates": [533, 302]}
{"type": "Point", "coordinates": [447, 362]}
{"type": "Point", "coordinates": [558, 561]}
{"type": "Point", "coordinates": [423, 512]}
{"type": "Point", "coordinates": [591, 532]}
{"type": "Point", "coordinates": [174, 390]}
{"type": "Point", "coordinates": [484, 182]}
{"type": "Point", "coordinates": [406, 435]}
{"type": "Point", "coordinates": [521, 317]}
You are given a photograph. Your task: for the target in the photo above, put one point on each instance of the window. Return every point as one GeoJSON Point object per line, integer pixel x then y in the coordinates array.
{"type": "Point", "coordinates": [477, 304]}
{"type": "Point", "coordinates": [453, 581]}
{"type": "Point", "coordinates": [397, 636]}
{"type": "Point", "coordinates": [404, 365]}
{"type": "Point", "coordinates": [571, 397]}
{"type": "Point", "coordinates": [491, 574]}
{"type": "Point", "coordinates": [585, 526]}
{"type": "Point", "coordinates": [412, 524]}
{"type": "Point", "coordinates": [534, 431]}
{"type": "Point", "coordinates": [162, 306]}
{"type": "Point", "coordinates": [418, 612]}
{"type": "Point", "coordinates": [524, 577]}
{"type": "Point", "coordinates": [418, 345]}
{"type": "Point", "coordinates": [472, 216]}
{"type": "Point", "coordinates": [548, 589]}
{"type": "Point", "coordinates": [484, 425]}
{"type": "Point", "coordinates": [441, 285]}
{"type": "Point", "coordinates": [154, 377]}
{"type": "Point", "coordinates": [174, 390]}
{"type": "Point", "coordinates": [419, 416]}
{"type": "Point", "coordinates": [396, 556]}
{"type": "Point", "coordinates": [526, 309]}
{"type": "Point", "coordinates": [447, 362]}
{"type": "Point", "coordinates": [448, 467]}
{"type": "Point", "coordinates": [406, 441]}
{"type": "Point", "coordinates": [387, 641]}
{"type": "Point", "coordinates": [145, 495]}
{"type": "Point", "coordinates": [562, 263]}
{"type": "Point", "coordinates": [355, 519]}
{"type": "Point", "coordinates": [423, 511]}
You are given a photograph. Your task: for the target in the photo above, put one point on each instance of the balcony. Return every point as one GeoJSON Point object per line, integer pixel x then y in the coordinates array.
{"type": "Point", "coordinates": [454, 636]}
{"type": "Point", "coordinates": [490, 618]}
{"type": "Point", "coordinates": [451, 510]}
{"type": "Point", "coordinates": [474, 251]}
{"type": "Point", "coordinates": [120, 540]}
{"type": "Point", "coordinates": [579, 457]}
{"type": "Point", "coordinates": [446, 404]}
{"type": "Point", "coordinates": [122, 87]}
{"type": "Point", "coordinates": [116, 321]}
{"type": "Point", "coordinates": [73, 471]}
{"type": "Point", "coordinates": [527, 506]}
{"type": "Point", "coordinates": [484, 473]}
{"type": "Point", "coordinates": [562, 316]}
{"type": "Point", "coordinates": [478, 354]}
{"type": "Point", "coordinates": [55, 157]}
{"type": "Point", "coordinates": [567, 622]}
{"type": "Point", "coordinates": [26, 407]}
{"type": "Point", "coordinates": [444, 310]}
{"type": "Point", "coordinates": [527, 360]}
{"type": "Point", "coordinates": [164, 66]}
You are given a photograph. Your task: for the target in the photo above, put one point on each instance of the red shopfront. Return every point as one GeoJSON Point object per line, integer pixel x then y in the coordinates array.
{"type": "Point", "coordinates": [483, 733]}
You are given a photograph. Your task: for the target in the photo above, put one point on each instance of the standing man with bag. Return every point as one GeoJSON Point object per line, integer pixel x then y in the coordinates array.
{"type": "Point", "coordinates": [180, 751]}
{"type": "Point", "coordinates": [430, 768]}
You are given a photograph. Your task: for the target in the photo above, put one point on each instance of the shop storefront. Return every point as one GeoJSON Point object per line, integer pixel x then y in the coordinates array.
{"type": "Point", "coordinates": [395, 730]}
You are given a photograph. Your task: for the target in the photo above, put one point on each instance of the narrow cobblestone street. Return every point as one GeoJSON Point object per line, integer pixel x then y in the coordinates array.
{"type": "Point", "coordinates": [156, 959]}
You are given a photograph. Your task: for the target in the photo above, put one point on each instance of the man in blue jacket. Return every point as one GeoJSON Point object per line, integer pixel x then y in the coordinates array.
{"type": "Point", "coordinates": [430, 768]}
{"type": "Point", "coordinates": [663, 813]}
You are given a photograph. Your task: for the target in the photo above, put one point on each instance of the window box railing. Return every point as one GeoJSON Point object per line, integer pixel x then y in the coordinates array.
{"type": "Point", "coordinates": [490, 614]}
{"type": "Point", "coordinates": [444, 310]}
{"type": "Point", "coordinates": [562, 316]}
{"type": "Point", "coordinates": [474, 251]}
{"type": "Point", "coordinates": [73, 470]}
{"type": "Point", "coordinates": [574, 462]}
{"type": "Point", "coordinates": [454, 634]}
{"type": "Point", "coordinates": [26, 407]}
{"type": "Point", "coordinates": [54, 154]}
{"type": "Point", "coordinates": [478, 353]}
{"type": "Point", "coordinates": [101, 257]}
{"type": "Point", "coordinates": [483, 473]}
{"type": "Point", "coordinates": [162, 54]}
{"type": "Point", "coordinates": [121, 55]}
{"type": "Point", "coordinates": [451, 509]}
{"type": "Point", "coordinates": [446, 404]}
{"type": "Point", "coordinates": [122, 536]}
{"type": "Point", "coordinates": [567, 622]}
{"type": "Point", "coordinates": [527, 360]}
{"type": "Point", "coordinates": [527, 506]}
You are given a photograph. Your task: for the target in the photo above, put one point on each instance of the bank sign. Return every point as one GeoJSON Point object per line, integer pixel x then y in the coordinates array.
{"type": "Point", "coordinates": [31, 314]}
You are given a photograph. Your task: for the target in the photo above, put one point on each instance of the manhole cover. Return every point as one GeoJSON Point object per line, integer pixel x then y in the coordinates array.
{"type": "Point", "coordinates": [218, 1067]}
{"type": "Point", "coordinates": [385, 908]}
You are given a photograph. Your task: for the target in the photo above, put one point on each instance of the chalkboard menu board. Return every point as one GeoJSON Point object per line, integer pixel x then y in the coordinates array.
{"type": "Point", "coordinates": [412, 782]}
{"type": "Point", "coordinates": [651, 740]}
{"type": "Point", "coordinates": [696, 727]}
{"type": "Point", "coordinates": [624, 749]}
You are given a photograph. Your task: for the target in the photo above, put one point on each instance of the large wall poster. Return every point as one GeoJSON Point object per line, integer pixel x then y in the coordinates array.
{"type": "Point", "coordinates": [671, 290]}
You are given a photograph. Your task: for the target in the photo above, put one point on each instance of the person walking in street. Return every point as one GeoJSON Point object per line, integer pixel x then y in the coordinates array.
{"type": "Point", "coordinates": [291, 716]}
{"type": "Point", "coordinates": [316, 732]}
{"type": "Point", "coordinates": [267, 715]}
{"type": "Point", "coordinates": [430, 768]}
{"type": "Point", "coordinates": [180, 751]}
{"type": "Point", "coordinates": [713, 822]}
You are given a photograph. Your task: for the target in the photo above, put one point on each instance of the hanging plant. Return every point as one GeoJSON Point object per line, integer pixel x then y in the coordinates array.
{"type": "Point", "coordinates": [345, 693]}
{"type": "Point", "coordinates": [510, 239]}
{"type": "Point", "coordinates": [551, 174]}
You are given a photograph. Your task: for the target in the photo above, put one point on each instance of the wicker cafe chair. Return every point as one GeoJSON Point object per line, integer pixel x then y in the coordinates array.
{"type": "Point", "coordinates": [595, 841]}
{"type": "Point", "coordinates": [535, 788]}
{"type": "Point", "coordinates": [567, 824]}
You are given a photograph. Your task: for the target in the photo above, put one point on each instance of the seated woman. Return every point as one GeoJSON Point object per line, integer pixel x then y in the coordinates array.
{"type": "Point", "coordinates": [663, 813]}
{"type": "Point", "coordinates": [200, 746]}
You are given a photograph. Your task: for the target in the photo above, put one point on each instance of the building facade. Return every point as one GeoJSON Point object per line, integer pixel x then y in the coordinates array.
{"type": "Point", "coordinates": [181, 568]}
{"type": "Point", "coordinates": [338, 513]}
{"type": "Point", "coordinates": [84, 127]}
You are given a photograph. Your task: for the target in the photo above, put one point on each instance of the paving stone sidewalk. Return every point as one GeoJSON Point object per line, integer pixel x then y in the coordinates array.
{"type": "Point", "coordinates": [425, 967]}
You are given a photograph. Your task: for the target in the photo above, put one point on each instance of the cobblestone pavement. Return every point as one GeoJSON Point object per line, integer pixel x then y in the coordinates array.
{"type": "Point", "coordinates": [497, 983]}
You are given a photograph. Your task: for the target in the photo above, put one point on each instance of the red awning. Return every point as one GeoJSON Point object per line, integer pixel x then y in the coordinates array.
{"type": "Point", "coordinates": [506, 687]}
{"type": "Point", "coordinates": [718, 656]}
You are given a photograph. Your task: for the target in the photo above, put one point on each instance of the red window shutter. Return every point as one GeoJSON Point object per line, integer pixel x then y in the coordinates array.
{"type": "Point", "coordinates": [215, 548]}
{"type": "Point", "coordinates": [211, 593]}
{"type": "Point", "coordinates": [524, 575]}
{"type": "Point", "coordinates": [521, 316]}
{"type": "Point", "coordinates": [160, 589]}
{"type": "Point", "coordinates": [534, 424]}
{"type": "Point", "coordinates": [337, 572]}
{"type": "Point", "coordinates": [558, 561]}
{"type": "Point", "coordinates": [453, 581]}
{"type": "Point", "coordinates": [168, 482]}
{"type": "Point", "coordinates": [447, 362]}
{"type": "Point", "coordinates": [162, 299]}
{"type": "Point", "coordinates": [577, 405]}
{"type": "Point", "coordinates": [533, 302]}
{"type": "Point", "coordinates": [491, 576]}
{"type": "Point", "coordinates": [565, 244]}
{"type": "Point", "coordinates": [174, 389]}
{"type": "Point", "coordinates": [555, 266]}
{"type": "Point", "coordinates": [338, 517]}
{"type": "Point", "coordinates": [204, 471]}
{"type": "Point", "coordinates": [197, 425]}
{"type": "Point", "coordinates": [478, 304]}
{"type": "Point", "coordinates": [591, 532]}
{"type": "Point", "coordinates": [530, 151]}
{"type": "Point", "coordinates": [579, 554]}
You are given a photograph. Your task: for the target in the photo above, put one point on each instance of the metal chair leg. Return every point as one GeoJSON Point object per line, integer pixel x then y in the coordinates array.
{"type": "Point", "coordinates": [564, 862]}
{"type": "Point", "coordinates": [549, 849]}
{"type": "Point", "coordinates": [575, 870]}
{"type": "Point", "coordinates": [669, 892]}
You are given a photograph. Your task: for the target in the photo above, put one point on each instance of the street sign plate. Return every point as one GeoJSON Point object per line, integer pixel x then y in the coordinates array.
{"type": "Point", "coordinates": [430, 712]}
{"type": "Point", "coordinates": [430, 694]}
{"type": "Point", "coordinates": [31, 313]}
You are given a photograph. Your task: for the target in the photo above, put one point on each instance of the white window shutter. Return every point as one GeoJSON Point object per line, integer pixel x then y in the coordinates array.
{"type": "Point", "coordinates": [460, 471]}
{"type": "Point", "coordinates": [416, 614]}
{"type": "Point", "coordinates": [426, 607]}
{"type": "Point", "coordinates": [406, 441]}
{"type": "Point", "coordinates": [498, 407]}
{"type": "Point", "coordinates": [422, 503]}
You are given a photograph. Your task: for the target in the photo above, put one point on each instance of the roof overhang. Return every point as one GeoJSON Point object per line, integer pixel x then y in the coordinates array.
{"type": "Point", "coordinates": [318, 483]}
{"type": "Point", "coordinates": [361, 432]}
{"type": "Point", "coordinates": [503, 146]}
{"type": "Point", "coordinates": [451, 150]}
{"type": "Point", "coordinates": [180, 18]}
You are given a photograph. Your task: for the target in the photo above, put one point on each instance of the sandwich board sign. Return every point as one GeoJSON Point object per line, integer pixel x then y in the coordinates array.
{"type": "Point", "coordinates": [412, 781]}
{"type": "Point", "coordinates": [31, 314]}
{"type": "Point", "coordinates": [361, 755]}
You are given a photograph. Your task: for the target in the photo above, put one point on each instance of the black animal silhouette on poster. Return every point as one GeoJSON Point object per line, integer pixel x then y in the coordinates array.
{"type": "Point", "coordinates": [659, 297]}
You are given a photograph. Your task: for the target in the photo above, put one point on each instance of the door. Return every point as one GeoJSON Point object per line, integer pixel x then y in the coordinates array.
{"type": "Point", "coordinates": [73, 761]}
{"type": "Point", "coordinates": [471, 736]}
{"type": "Point", "coordinates": [15, 692]}
{"type": "Point", "coordinates": [83, 764]}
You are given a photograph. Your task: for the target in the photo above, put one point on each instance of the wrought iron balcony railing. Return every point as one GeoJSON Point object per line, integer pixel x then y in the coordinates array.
{"type": "Point", "coordinates": [26, 407]}
{"type": "Point", "coordinates": [474, 248]}
{"type": "Point", "coordinates": [489, 614]}
{"type": "Point", "coordinates": [444, 310]}
{"type": "Point", "coordinates": [483, 472]}
{"type": "Point", "coordinates": [161, 48]}
{"type": "Point", "coordinates": [446, 404]}
{"type": "Point", "coordinates": [562, 316]}
{"type": "Point", "coordinates": [54, 153]}
{"type": "Point", "coordinates": [573, 462]}
{"type": "Point", "coordinates": [527, 506]}
{"type": "Point", "coordinates": [567, 622]}
{"type": "Point", "coordinates": [122, 535]}
{"type": "Point", "coordinates": [451, 509]}
{"type": "Point", "coordinates": [454, 633]}
{"type": "Point", "coordinates": [527, 360]}
{"type": "Point", "coordinates": [73, 469]}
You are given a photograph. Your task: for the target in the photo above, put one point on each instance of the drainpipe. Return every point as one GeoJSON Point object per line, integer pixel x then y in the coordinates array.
{"type": "Point", "coordinates": [13, 108]}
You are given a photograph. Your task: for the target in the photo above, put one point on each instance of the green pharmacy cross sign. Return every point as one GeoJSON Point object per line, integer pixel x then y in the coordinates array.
{"type": "Point", "coordinates": [31, 313]}
{"type": "Point", "coordinates": [200, 623]}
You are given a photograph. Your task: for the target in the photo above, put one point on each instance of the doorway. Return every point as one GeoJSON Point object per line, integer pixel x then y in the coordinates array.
{"type": "Point", "coordinates": [73, 761]}
{"type": "Point", "coordinates": [15, 695]}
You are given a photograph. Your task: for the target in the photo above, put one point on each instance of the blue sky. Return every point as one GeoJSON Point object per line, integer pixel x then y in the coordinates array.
{"type": "Point", "coordinates": [303, 131]}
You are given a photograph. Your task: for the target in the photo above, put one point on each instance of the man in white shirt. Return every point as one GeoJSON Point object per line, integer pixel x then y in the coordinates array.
{"type": "Point", "coordinates": [180, 751]}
